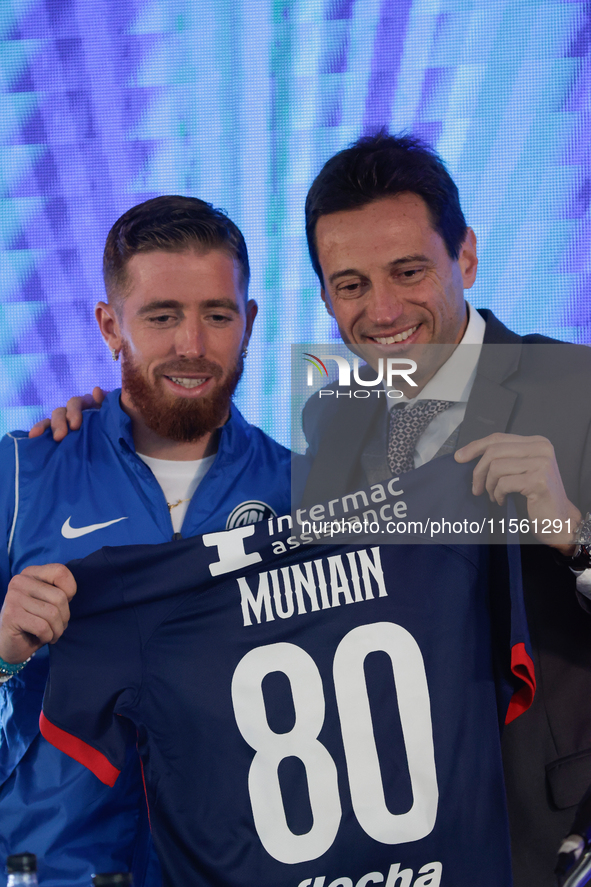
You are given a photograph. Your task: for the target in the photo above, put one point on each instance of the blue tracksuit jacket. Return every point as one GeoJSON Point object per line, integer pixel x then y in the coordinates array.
{"type": "Point", "coordinates": [63, 501]}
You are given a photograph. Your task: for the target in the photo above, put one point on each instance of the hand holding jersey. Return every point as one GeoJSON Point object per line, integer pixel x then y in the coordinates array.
{"type": "Point", "coordinates": [512, 463]}
{"type": "Point", "coordinates": [35, 611]}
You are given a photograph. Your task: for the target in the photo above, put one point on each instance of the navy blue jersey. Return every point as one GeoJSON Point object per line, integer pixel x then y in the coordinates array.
{"type": "Point", "coordinates": [306, 715]}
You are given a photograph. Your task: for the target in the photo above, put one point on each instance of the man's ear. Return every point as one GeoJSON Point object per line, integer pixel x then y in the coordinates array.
{"type": "Point", "coordinates": [326, 301]}
{"type": "Point", "coordinates": [252, 309]}
{"type": "Point", "coordinates": [108, 322]}
{"type": "Point", "coordinates": [468, 259]}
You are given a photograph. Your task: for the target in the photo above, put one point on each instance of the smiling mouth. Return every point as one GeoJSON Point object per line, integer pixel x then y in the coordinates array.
{"type": "Point", "coordinates": [185, 382]}
{"type": "Point", "coordinates": [393, 340]}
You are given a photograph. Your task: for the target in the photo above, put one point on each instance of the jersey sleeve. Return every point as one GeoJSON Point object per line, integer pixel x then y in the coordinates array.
{"type": "Point", "coordinates": [8, 499]}
{"type": "Point", "coordinates": [512, 652]}
{"type": "Point", "coordinates": [95, 677]}
{"type": "Point", "coordinates": [522, 666]}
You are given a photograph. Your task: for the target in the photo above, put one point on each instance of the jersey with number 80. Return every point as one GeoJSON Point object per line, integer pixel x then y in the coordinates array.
{"type": "Point", "coordinates": [363, 766]}
{"type": "Point", "coordinates": [325, 718]}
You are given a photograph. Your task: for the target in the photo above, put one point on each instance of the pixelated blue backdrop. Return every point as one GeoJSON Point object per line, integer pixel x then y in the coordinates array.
{"type": "Point", "coordinates": [104, 103]}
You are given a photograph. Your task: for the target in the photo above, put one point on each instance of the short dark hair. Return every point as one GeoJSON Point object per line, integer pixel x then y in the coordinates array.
{"type": "Point", "coordinates": [172, 224]}
{"type": "Point", "coordinates": [384, 165]}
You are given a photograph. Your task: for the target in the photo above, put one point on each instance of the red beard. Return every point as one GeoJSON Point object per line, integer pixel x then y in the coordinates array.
{"type": "Point", "coordinates": [181, 419]}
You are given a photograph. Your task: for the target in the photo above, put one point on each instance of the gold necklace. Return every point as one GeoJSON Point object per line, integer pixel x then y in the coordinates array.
{"type": "Point", "coordinates": [174, 504]}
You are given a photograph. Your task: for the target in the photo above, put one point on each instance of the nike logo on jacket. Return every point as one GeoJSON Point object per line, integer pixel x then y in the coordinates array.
{"type": "Point", "coordinates": [70, 532]}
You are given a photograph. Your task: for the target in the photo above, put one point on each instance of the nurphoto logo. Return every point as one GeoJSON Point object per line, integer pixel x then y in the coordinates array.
{"type": "Point", "coordinates": [388, 369]}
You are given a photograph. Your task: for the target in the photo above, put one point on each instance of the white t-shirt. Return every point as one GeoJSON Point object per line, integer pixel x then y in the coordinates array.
{"type": "Point", "coordinates": [178, 480]}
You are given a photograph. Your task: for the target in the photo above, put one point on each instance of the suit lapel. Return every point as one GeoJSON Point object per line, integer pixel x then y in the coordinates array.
{"type": "Point", "coordinates": [490, 404]}
{"type": "Point", "coordinates": [488, 410]}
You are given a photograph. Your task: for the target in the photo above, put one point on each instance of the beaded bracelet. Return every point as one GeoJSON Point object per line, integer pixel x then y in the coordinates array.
{"type": "Point", "coordinates": [8, 669]}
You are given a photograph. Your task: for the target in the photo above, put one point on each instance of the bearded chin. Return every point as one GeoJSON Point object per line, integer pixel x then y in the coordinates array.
{"type": "Point", "coordinates": [182, 419]}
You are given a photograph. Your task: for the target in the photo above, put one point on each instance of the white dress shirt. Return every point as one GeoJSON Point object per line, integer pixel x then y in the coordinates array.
{"type": "Point", "coordinates": [453, 381]}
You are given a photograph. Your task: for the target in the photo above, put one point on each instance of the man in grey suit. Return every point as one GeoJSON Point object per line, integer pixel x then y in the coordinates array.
{"type": "Point", "coordinates": [390, 245]}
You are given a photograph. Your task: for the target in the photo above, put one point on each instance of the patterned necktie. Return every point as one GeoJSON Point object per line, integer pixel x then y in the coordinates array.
{"type": "Point", "coordinates": [406, 426]}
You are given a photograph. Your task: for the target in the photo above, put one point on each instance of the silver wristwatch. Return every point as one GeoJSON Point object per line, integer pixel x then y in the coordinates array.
{"type": "Point", "coordinates": [583, 538]}
{"type": "Point", "coordinates": [581, 559]}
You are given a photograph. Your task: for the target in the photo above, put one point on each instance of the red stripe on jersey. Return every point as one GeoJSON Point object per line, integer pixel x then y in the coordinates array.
{"type": "Point", "coordinates": [523, 668]}
{"type": "Point", "coordinates": [82, 752]}
{"type": "Point", "coordinates": [145, 792]}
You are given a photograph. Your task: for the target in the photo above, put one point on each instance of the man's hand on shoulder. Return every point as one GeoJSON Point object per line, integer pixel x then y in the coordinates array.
{"type": "Point", "coordinates": [512, 463]}
{"type": "Point", "coordinates": [36, 610]}
{"type": "Point", "coordinates": [69, 418]}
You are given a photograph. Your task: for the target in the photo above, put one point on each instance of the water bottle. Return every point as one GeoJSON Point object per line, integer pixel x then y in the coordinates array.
{"type": "Point", "coordinates": [21, 869]}
{"type": "Point", "coordinates": [113, 879]}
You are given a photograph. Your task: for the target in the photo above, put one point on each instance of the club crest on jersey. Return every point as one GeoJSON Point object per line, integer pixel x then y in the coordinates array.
{"type": "Point", "coordinates": [250, 512]}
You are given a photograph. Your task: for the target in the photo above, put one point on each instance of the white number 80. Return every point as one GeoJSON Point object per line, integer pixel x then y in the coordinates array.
{"type": "Point", "coordinates": [363, 766]}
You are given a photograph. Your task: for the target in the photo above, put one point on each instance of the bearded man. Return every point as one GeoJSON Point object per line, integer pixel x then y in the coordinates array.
{"type": "Point", "coordinates": [168, 456]}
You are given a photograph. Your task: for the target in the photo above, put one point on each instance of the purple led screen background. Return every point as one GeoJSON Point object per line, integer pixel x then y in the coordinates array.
{"type": "Point", "coordinates": [104, 104]}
